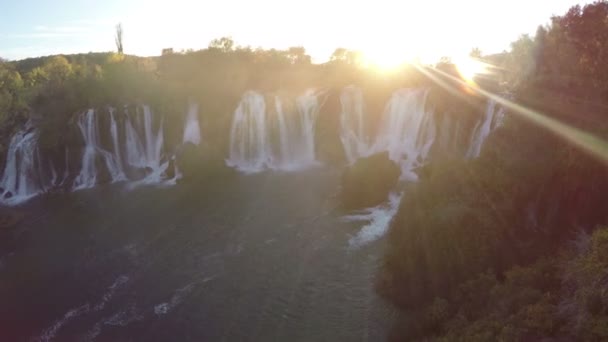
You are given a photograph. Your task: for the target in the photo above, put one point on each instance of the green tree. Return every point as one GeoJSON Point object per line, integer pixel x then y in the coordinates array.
{"type": "Point", "coordinates": [224, 44]}
{"type": "Point", "coordinates": [58, 69]}
{"type": "Point", "coordinates": [297, 55]}
{"type": "Point", "coordinates": [349, 57]}
{"type": "Point", "coordinates": [521, 63]}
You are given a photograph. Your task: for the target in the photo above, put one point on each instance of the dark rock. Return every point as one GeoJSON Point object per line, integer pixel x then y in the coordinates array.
{"type": "Point", "coordinates": [170, 172]}
{"type": "Point", "coordinates": [368, 181]}
{"type": "Point", "coordinates": [138, 173]}
{"type": "Point", "coordinates": [8, 194]}
{"type": "Point", "coordinates": [103, 174]}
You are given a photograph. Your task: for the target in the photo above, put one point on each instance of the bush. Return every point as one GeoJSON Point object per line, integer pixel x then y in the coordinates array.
{"type": "Point", "coordinates": [368, 181]}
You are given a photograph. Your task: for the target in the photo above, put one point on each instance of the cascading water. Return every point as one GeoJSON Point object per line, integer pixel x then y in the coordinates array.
{"type": "Point", "coordinates": [249, 142]}
{"type": "Point", "coordinates": [275, 132]}
{"type": "Point", "coordinates": [192, 130]}
{"type": "Point", "coordinates": [308, 110]}
{"type": "Point", "coordinates": [154, 142]}
{"type": "Point", "coordinates": [135, 150]}
{"type": "Point", "coordinates": [297, 133]}
{"type": "Point", "coordinates": [353, 133]}
{"type": "Point", "coordinates": [251, 148]}
{"type": "Point", "coordinates": [493, 118]}
{"type": "Point", "coordinates": [115, 142]}
{"type": "Point", "coordinates": [146, 153]}
{"type": "Point", "coordinates": [88, 177]}
{"type": "Point", "coordinates": [20, 180]}
{"type": "Point", "coordinates": [135, 147]}
{"type": "Point", "coordinates": [407, 130]}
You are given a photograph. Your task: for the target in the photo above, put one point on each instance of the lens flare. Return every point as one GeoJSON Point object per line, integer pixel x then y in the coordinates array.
{"type": "Point", "coordinates": [469, 67]}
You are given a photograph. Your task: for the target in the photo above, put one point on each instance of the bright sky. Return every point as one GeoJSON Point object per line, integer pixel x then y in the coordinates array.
{"type": "Point", "coordinates": [381, 28]}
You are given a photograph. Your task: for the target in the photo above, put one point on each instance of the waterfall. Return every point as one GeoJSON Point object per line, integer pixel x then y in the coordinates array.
{"type": "Point", "coordinates": [154, 142]}
{"type": "Point", "coordinates": [145, 152]}
{"type": "Point", "coordinates": [284, 130]}
{"type": "Point", "coordinates": [268, 132]}
{"type": "Point", "coordinates": [251, 143]}
{"type": "Point", "coordinates": [407, 130]}
{"type": "Point", "coordinates": [88, 177]}
{"type": "Point", "coordinates": [297, 133]}
{"type": "Point", "coordinates": [308, 110]}
{"type": "Point", "coordinates": [115, 142]}
{"type": "Point", "coordinates": [134, 147]}
{"type": "Point", "coordinates": [135, 150]}
{"type": "Point", "coordinates": [20, 179]}
{"type": "Point", "coordinates": [192, 130]}
{"type": "Point", "coordinates": [493, 118]}
{"type": "Point", "coordinates": [88, 174]}
{"type": "Point", "coordinates": [352, 123]}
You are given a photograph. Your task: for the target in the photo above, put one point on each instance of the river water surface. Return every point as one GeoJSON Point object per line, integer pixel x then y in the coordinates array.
{"type": "Point", "coordinates": [262, 257]}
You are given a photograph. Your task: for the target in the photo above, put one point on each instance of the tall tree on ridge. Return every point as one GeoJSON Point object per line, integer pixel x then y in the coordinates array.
{"type": "Point", "coordinates": [118, 38]}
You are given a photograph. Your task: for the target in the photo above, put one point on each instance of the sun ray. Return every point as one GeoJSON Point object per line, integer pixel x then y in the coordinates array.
{"type": "Point", "coordinates": [588, 142]}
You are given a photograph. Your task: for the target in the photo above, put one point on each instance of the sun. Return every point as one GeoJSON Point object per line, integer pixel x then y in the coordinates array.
{"type": "Point", "coordinates": [469, 67]}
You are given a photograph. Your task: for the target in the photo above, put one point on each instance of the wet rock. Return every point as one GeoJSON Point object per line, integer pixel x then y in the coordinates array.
{"type": "Point", "coordinates": [368, 181]}
{"type": "Point", "coordinates": [138, 173]}
{"type": "Point", "coordinates": [170, 172]}
{"type": "Point", "coordinates": [103, 174]}
{"type": "Point", "coordinates": [8, 194]}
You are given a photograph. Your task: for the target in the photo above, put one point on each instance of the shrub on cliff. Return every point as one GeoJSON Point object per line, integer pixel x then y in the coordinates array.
{"type": "Point", "coordinates": [562, 296]}
{"type": "Point", "coordinates": [368, 181]}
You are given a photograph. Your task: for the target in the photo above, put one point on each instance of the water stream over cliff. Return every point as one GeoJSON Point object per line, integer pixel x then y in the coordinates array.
{"type": "Point", "coordinates": [274, 131]}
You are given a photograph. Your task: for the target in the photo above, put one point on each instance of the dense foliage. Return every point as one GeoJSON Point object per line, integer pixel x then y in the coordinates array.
{"type": "Point", "coordinates": [483, 249]}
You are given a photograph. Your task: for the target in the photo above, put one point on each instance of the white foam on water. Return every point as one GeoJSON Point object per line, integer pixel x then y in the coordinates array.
{"type": "Point", "coordinates": [377, 220]}
{"type": "Point", "coordinates": [124, 317]}
{"type": "Point", "coordinates": [111, 291]}
{"type": "Point", "coordinates": [176, 299]}
{"type": "Point", "coordinates": [49, 333]}
{"type": "Point", "coordinates": [121, 318]}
